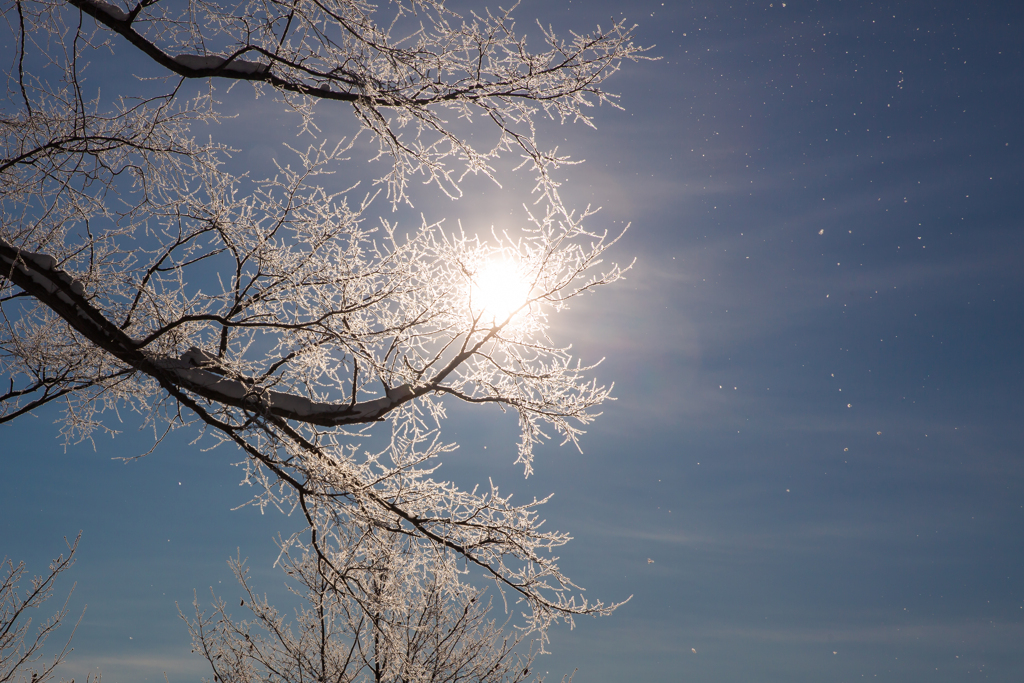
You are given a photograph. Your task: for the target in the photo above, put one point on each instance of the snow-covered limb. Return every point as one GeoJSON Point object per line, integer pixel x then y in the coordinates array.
{"type": "Point", "coordinates": [245, 393]}
{"type": "Point", "coordinates": [215, 64]}
{"type": "Point", "coordinates": [102, 7]}
{"type": "Point", "coordinates": [409, 68]}
{"type": "Point", "coordinates": [37, 275]}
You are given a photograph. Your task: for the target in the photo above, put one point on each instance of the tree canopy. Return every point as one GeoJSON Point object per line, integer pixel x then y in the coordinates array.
{"type": "Point", "coordinates": [140, 271]}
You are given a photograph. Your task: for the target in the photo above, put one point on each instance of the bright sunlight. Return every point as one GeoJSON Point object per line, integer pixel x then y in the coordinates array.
{"type": "Point", "coordinates": [498, 290]}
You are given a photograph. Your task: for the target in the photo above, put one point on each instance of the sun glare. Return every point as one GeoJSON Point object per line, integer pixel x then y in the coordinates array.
{"type": "Point", "coordinates": [499, 289]}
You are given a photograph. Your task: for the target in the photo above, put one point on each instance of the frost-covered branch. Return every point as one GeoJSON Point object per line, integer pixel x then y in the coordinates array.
{"type": "Point", "coordinates": [395, 627]}
{"type": "Point", "coordinates": [397, 71]}
{"type": "Point", "coordinates": [137, 271]}
{"type": "Point", "coordinates": [19, 649]}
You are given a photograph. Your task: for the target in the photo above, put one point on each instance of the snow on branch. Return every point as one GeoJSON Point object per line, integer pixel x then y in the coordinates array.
{"type": "Point", "coordinates": [38, 275]}
{"type": "Point", "coordinates": [216, 65]}
{"type": "Point", "coordinates": [105, 8]}
{"type": "Point", "coordinates": [393, 71]}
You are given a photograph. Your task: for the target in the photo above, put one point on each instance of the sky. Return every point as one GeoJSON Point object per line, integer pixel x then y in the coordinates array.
{"type": "Point", "coordinates": [814, 466]}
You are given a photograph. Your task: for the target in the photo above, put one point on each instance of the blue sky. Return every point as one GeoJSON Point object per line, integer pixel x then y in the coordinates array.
{"type": "Point", "coordinates": [818, 436]}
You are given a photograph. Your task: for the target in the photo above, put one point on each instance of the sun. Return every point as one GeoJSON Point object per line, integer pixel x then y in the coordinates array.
{"type": "Point", "coordinates": [498, 290]}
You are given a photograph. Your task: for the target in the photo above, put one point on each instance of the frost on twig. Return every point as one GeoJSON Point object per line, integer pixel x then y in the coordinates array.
{"type": "Point", "coordinates": [400, 74]}
{"type": "Point", "coordinates": [272, 314]}
{"type": "Point", "coordinates": [20, 649]}
{"type": "Point", "coordinates": [415, 621]}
